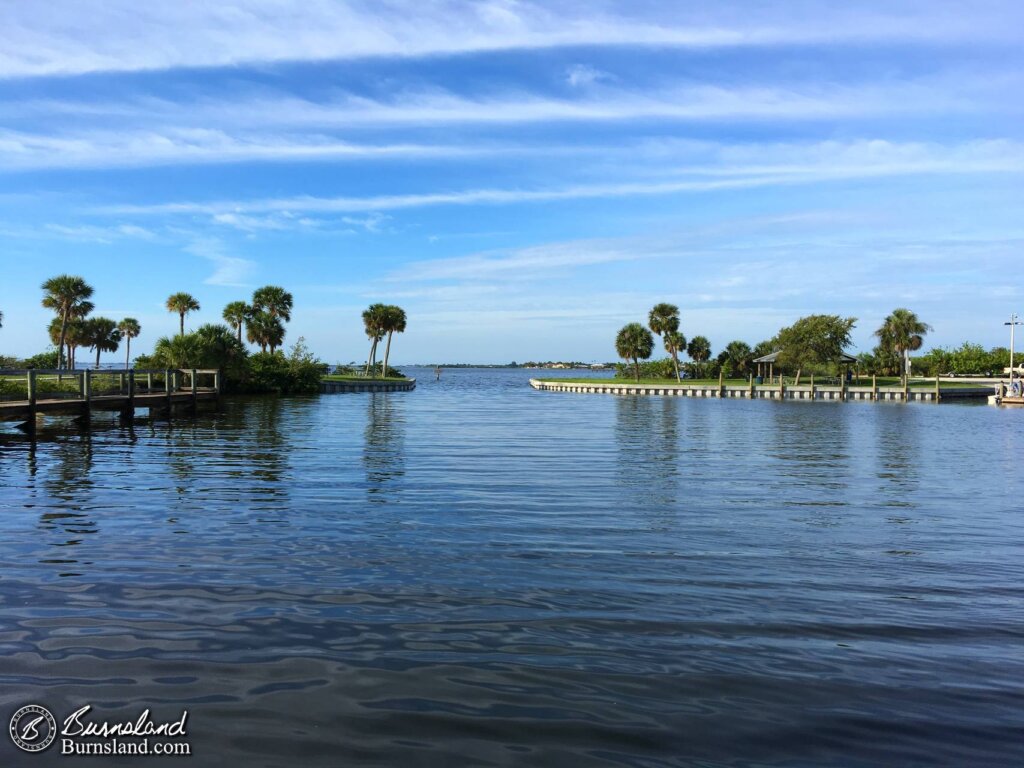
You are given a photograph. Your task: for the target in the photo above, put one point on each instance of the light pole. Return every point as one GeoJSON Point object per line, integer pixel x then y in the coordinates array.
{"type": "Point", "coordinates": [1014, 321]}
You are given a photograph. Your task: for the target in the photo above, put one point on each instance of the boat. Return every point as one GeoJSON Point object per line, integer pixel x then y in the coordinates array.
{"type": "Point", "coordinates": [1012, 394]}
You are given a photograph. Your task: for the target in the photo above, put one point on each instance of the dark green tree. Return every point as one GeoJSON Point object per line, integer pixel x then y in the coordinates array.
{"type": "Point", "coordinates": [634, 342]}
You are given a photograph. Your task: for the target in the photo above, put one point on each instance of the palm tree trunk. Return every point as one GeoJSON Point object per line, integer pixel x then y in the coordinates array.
{"type": "Point", "coordinates": [369, 357]}
{"type": "Point", "coordinates": [181, 317]}
{"type": "Point", "coordinates": [97, 357]}
{"type": "Point", "coordinates": [675, 359]}
{"type": "Point", "coordinates": [387, 352]}
{"type": "Point", "coordinates": [60, 344]}
{"type": "Point", "coordinates": [636, 363]}
{"type": "Point", "coordinates": [797, 382]}
{"type": "Point", "coordinates": [127, 351]}
{"type": "Point", "coordinates": [373, 352]}
{"type": "Point", "coordinates": [239, 333]}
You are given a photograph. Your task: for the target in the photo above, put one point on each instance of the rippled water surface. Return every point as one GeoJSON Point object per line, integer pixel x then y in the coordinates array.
{"type": "Point", "coordinates": [475, 573]}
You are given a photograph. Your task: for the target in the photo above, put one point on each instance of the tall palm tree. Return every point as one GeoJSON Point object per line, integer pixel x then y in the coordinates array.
{"type": "Point", "coordinates": [374, 322]}
{"type": "Point", "coordinates": [182, 303]}
{"type": "Point", "coordinates": [64, 294]}
{"type": "Point", "coordinates": [662, 319]}
{"type": "Point", "coordinates": [264, 330]}
{"type": "Point", "coordinates": [235, 315]}
{"type": "Point", "coordinates": [394, 323]}
{"type": "Point", "coordinates": [901, 332]}
{"type": "Point", "coordinates": [101, 334]}
{"type": "Point", "coordinates": [77, 336]}
{"type": "Point", "coordinates": [273, 300]}
{"type": "Point", "coordinates": [634, 342]}
{"type": "Point", "coordinates": [130, 329]}
{"type": "Point", "coordinates": [675, 342]}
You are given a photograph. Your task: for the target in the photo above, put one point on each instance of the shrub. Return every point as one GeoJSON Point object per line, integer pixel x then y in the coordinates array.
{"type": "Point", "coordinates": [649, 369]}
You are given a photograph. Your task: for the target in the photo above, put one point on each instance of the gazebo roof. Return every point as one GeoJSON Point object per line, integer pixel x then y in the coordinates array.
{"type": "Point", "coordinates": [843, 358]}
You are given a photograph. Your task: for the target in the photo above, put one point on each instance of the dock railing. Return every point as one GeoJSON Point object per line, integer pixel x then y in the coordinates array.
{"type": "Point", "coordinates": [34, 385]}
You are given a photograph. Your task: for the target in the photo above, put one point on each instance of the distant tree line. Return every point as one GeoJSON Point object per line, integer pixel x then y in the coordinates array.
{"type": "Point", "coordinates": [812, 344]}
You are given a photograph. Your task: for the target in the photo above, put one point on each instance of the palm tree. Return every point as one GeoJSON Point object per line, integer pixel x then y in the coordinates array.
{"type": "Point", "coordinates": [663, 319]}
{"type": "Point", "coordinates": [130, 329]}
{"type": "Point", "coordinates": [374, 322]}
{"type": "Point", "coordinates": [394, 323]}
{"type": "Point", "coordinates": [101, 334]}
{"type": "Point", "coordinates": [235, 315]}
{"type": "Point", "coordinates": [738, 355]}
{"type": "Point", "coordinates": [699, 349]}
{"type": "Point", "coordinates": [634, 342]}
{"type": "Point", "coordinates": [219, 347]}
{"type": "Point", "coordinates": [273, 300]}
{"type": "Point", "coordinates": [901, 332]}
{"type": "Point", "coordinates": [264, 330]}
{"type": "Point", "coordinates": [64, 294]}
{"type": "Point", "coordinates": [675, 342]}
{"type": "Point", "coordinates": [180, 352]}
{"type": "Point", "coordinates": [182, 303]}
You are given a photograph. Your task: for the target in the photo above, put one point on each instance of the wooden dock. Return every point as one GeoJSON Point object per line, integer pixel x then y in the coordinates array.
{"type": "Point", "coordinates": [27, 395]}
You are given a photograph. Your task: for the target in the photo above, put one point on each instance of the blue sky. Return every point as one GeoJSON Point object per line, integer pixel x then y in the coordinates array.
{"type": "Point", "coordinates": [524, 178]}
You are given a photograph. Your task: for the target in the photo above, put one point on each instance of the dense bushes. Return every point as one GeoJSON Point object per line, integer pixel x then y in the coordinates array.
{"type": "Point", "coordinates": [966, 359]}
{"type": "Point", "coordinates": [214, 346]}
{"type": "Point", "coordinates": [649, 369]}
{"type": "Point", "coordinates": [297, 373]}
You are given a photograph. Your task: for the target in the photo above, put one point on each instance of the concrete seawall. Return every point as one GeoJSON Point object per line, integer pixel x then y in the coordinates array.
{"type": "Point", "coordinates": [345, 387]}
{"type": "Point", "coordinates": [767, 392]}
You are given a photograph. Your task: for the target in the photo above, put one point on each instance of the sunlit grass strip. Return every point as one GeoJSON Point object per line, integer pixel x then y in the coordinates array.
{"type": "Point", "coordinates": [340, 377]}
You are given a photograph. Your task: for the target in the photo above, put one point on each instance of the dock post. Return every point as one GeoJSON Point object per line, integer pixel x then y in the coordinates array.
{"type": "Point", "coordinates": [906, 389]}
{"type": "Point", "coordinates": [149, 382]}
{"type": "Point", "coordinates": [782, 388]}
{"type": "Point", "coordinates": [195, 394]}
{"type": "Point", "coordinates": [29, 427]}
{"type": "Point", "coordinates": [216, 382]}
{"type": "Point", "coordinates": [812, 386]}
{"type": "Point", "coordinates": [87, 387]}
{"type": "Point", "coordinates": [721, 383]}
{"type": "Point", "coordinates": [168, 387]}
{"type": "Point", "coordinates": [129, 412]}
{"type": "Point", "coordinates": [750, 395]}
{"type": "Point", "coordinates": [874, 387]}
{"type": "Point", "coordinates": [937, 393]}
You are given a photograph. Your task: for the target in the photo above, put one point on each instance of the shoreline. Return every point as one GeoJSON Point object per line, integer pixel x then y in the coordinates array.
{"type": "Point", "coordinates": [811, 392]}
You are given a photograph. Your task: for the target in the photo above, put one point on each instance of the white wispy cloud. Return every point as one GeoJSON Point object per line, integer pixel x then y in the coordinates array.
{"type": "Point", "coordinates": [583, 74]}
{"type": "Point", "coordinates": [92, 233]}
{"type": "Point", "coordinates": [20, 151]}
{"type": "Point", "coordinates": [795, 164]}
{"type": "Point", "coordinates": [231, 271]}
{"type": "Point", "coordinates": [81, 36]}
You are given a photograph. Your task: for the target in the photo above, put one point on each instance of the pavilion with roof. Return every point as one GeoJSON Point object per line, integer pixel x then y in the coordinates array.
{"type": "Point", "coordinates": [767, 363]}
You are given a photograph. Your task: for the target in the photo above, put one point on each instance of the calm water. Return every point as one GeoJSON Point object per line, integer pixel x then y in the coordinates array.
{"type": "Point", "coordinates": [478, 574]}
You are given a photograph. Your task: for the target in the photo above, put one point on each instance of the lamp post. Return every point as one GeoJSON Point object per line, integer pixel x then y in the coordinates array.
{"type": "Point", "coordinates": [1014, 321]}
